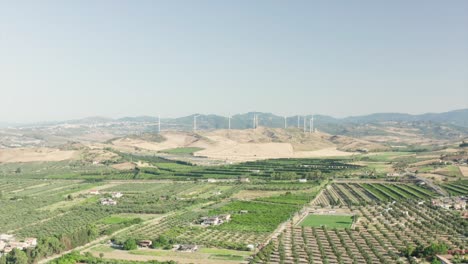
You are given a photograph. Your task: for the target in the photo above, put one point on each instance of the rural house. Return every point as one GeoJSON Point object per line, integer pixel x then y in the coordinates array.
{"type": "Point", "coordinates": [108, 201]}
{"type": "Point", "coordinates": [187, 248]}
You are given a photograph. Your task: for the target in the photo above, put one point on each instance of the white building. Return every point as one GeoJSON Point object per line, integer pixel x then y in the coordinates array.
{"type": "Point", "coordinates": [116, 194]}
{"type": "Point", "coordinates": [108, 201]}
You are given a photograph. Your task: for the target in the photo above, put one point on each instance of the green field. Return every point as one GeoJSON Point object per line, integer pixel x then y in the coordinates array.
{"type": "Point", "coordinates": [112, 220]}
{"type": "Point", "coordinates": [332, 221]}
{"type": "Point", "coordinates": [181, 151]}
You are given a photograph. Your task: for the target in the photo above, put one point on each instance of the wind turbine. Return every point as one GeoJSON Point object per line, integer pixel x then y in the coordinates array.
{"type": "Point", "coordinates": [304, 123]}
{"type": "Point", "coordinates": [195, 122]}
{"type": "Point", "coordinates": [229, 122]}
{"type": "Point", "coordinates": [285, 122]}
{"type": "Point", "coordinates": [311, 129]}
{"type": "Point", "coordinates": [159, 124]}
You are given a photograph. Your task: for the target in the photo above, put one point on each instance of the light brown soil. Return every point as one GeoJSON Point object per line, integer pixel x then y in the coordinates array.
{"type": "Point", "coordinates": [464, 170]}
{"type": "Point", "coordinates": [124, 166]}
{"type": "Point", "coordinates": [36, 154]}
{"type": "Point", "coordinates": [242, 145]}
{"type": "Point", "coordinates": [425, 162]}
{"type": "Point", "coordinates": [436, 177]}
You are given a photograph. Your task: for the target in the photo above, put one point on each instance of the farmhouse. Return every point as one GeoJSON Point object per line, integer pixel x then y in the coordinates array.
{"type": "Point", "coordinates": [302, 180]}
{"type": "Point", "coordinates": [18, 245]}
{"type": "Point", "coordinates": [6, 237]}
{"type": "Point", "coordinates": [215, 220]}
{"type": "Point", "coordinates": [94, 192]}
{"type": "Point", "coordinates": [116, 194]}
{"type": "Point", "coordinates": [30, 242]}
{"type": "Point", "coordinates": [211, 180]}
{"type": "Point", "coordinates": [210, 221]}
{"type": "Point", "coordinates": [457, 203]}
{"type": "Point", "coordinates": [187, 248]}
{"type": "Point", "coordinates": [145, 243]}
{"type": "Point", "coordinates": [225, 217]}
{"type": "Point", "coordinates": [108, 201]}
{"type": "Point", "coordinates": [8, 243]}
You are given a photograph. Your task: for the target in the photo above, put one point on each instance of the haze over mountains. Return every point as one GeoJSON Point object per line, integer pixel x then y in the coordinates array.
{"type": "Point", "coordinates": [243, 121]}
{"type": "Point", "coordinates": [375, 131]}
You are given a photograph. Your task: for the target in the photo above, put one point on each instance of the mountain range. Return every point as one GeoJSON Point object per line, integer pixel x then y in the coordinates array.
{"type": "Point", "coordinates": [445, 125]}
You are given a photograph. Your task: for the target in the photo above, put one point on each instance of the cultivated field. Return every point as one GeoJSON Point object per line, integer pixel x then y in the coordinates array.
{"type": "Point", "coordinates": [280, 210]}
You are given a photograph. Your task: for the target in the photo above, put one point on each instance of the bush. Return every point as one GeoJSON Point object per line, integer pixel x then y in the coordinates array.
{"type": "Point", "coordinates": [130, 244]}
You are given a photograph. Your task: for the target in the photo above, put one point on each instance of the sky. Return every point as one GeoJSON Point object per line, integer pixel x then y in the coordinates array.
{"type": "Point", "coordinates": [63, 60]}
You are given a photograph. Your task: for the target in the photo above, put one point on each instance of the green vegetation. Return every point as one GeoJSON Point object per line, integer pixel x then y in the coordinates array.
{"type": "Point", "coordinates": [162, 242]}
{"type": "Point", "coordinates": [75, 257]}
{"type": "Point", "coordinates": [167, 202]}
{"type": "Point", "coordinates": [457, 187]}
{"type": "Point", "coordinates": [330, 221]}
{"type": "Point", "coordinates": [181, 151]}
{"type": "Point", "coordinates": [260, 217]}
{"type": "Point", "coordinates": [130, 244]}
{"type": "Point", "coordinates": [428, 252]}
{"type": "Point", "coordinates": [277, 169]}
{"type": "Point", "coordinates": [113, 220]}
{"type": "Point", "coordinates": [15, 257]}
{"type": "Point", "coordinates": [227, 257]}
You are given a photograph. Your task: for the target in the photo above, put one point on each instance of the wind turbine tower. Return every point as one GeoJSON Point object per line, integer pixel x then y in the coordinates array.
{"type": "Point", "coordinates": [159, 124]}
{"type": "Point", "coordinates": [305, 127]}
{"type": "Point", "coordinates": [285, 122]}
{"type": "Point", "coordinates": [229, 122]}
{"type": "Point", "coordinates": [298, 121]}
{"type": "Point", "coordinates": [255, 121]}
{"type": "Point", "coordinates": [195, 122]}
{"type": "Point", "coordinates": [311, 128]}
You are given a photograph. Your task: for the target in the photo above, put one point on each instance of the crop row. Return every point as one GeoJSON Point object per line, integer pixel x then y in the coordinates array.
{"type": "Point", "coordinates": [363, 193]}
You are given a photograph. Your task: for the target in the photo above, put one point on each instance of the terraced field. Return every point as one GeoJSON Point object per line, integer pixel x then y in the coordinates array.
{"type": "Point", "coordinates": [457, 187]}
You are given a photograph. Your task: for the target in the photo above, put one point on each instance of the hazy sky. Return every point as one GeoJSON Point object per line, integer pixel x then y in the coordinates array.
{"type": "Point", "coordinates": [71, 59]}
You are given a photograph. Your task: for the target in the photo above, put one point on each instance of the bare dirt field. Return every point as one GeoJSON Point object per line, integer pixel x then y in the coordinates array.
{"type": "Point", "coordinates": [434, 176]}
{"type": "Point", "coordinates": [464, 170]}
{"type": "Point", "coordinates": [173, 140]}
{"type": "Point", "coordinates": [124, 166]}
{"type": "Point", "coordinates": [36, 154]}
{"type": "Point", "coordinates": [425, 162]}
{"type": "Point", "coordinates": [241, 145]}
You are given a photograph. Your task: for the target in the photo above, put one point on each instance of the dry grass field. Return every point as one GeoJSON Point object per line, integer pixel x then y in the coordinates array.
{"type": "Point", "coordinates": [36, 154]}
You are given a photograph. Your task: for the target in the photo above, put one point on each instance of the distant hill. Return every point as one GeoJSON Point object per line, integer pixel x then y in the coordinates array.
{"type": "Point", "coordinates": [457, 117]}
{"type": "Point", "coordinates": [138, 119]}
{"type": "Point", "coordinates": [379, 127]}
